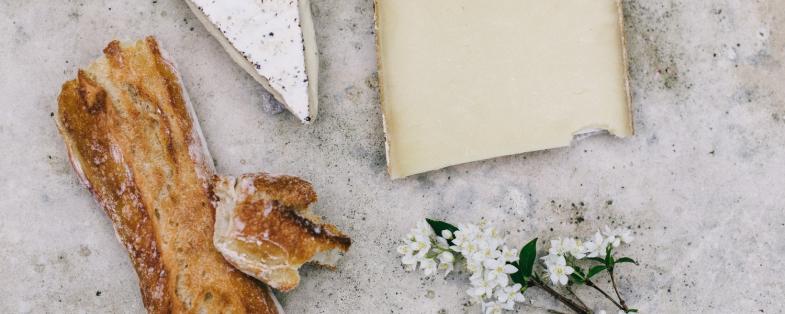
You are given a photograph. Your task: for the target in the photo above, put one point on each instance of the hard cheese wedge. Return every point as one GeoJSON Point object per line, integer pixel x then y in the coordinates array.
{"type": "Point", "coordinates": [274, 41]}
{"type": "Point", "coordinates": [466, 80]}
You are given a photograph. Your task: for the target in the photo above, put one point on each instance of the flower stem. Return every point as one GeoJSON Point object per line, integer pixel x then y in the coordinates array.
{"type": "Point", "coordinates": [607, 296]}
{"type": "Point", "coordinates": [565, 300]}
{"type": "Point", "coordinates": [615, 289]}
{"type": "Point", "coordinates": [577, 298]}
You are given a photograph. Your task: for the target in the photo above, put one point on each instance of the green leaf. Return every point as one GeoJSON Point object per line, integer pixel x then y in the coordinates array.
{"type": "Point", "coordinates": [596, 270]}
{"type": "Point", "coordinates": [517, 277]}
{"type": "Point", "coordinates": [597, 259]}
{"type": "Point", "coordinates": [578, 276]}
{"type": "Point", "coordinates": [526, 259]}
{"type": "Point", "coordinates": [626, 260]}
{"type": "Point", "coordinates": [632, 311]}
{"type": "Point", "coordinates": [609, 256]}
{"type": "Point", "coordinates": [439, 226]}
{"type": "Point", "coordinates": [578, 270]}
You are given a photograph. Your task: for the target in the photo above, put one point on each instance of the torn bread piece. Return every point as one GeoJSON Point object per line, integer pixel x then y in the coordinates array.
{"type": "Point", "coordinates": [265, 229]}
{"type": "Point", "coordinates": [272, 40]}
{"type": "Point", "coordinates": [468, 80]}
{"type": "Point", "coordinates": [134, 141]}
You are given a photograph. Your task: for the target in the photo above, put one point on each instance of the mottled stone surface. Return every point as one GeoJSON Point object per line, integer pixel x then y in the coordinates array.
{"type": "Point", "coordinates": [702, 183]}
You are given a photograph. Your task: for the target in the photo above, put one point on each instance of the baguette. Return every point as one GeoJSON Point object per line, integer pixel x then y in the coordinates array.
{"type": "Point", "coordinates": [133, 140]}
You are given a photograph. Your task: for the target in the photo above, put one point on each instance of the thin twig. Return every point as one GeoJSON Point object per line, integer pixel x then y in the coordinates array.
{"type": "Point", "coordinates": [565, 300]}
{"type": "Point", "coordinates": [577, 298]}
{"type": "Point", "coordinates": [607, 296]}
{"type": "Point", "coordinates": [613, 282]}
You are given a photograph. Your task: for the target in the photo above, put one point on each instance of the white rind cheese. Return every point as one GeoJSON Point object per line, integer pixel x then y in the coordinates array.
{"type": "Point", "coordinates": [274, 41]}
{"type": "Point", "coordinates": [467, 80]}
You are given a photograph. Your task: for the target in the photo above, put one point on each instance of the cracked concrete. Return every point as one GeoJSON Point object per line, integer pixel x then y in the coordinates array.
{"type": "Point", "coordinates": [701, 183]}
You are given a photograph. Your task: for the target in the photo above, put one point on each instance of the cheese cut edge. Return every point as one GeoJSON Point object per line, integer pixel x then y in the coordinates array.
{"type": "Point", "coordinates": [380, 86]}
{"type": "Point", "coordinates": [625, 70]}
{"type": "Point", "coordinates": [311, 55]}
{"type": "Point", "coordinates": [586, 131]}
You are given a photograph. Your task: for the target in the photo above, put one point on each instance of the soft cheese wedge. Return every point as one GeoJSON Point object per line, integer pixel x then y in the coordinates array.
{"type": "Point", "coordinates": [274, 41]}
{"type": "Point", "coordinates": [467, 80]}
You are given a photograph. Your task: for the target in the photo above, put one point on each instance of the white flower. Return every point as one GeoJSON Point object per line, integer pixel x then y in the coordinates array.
{"type": "Point", "coordinates": [465, 233]}
{"type": "Point", "coordinates": [498, 270]}
{"type": "Point", "coordinates": [486, 253]}
{"type": "Point", "coordinates": [464, 240]}
{"type": "Point", "coordinates": [442, 242]}
{"type": "Point", "coordinates": [559, 271]}
{"type": "Point", "coordinates": [601, 312]}
{"type": "Point", "coordinates": [565, 246]}
{"type": "Point", "coordinates": [617, 236]}
{"type": "Point", "coordinates": [558, 247]}
{"type": "Point", "coordinates": [552, 259]}
{"type": "Point", "coordinates": [594, 247]}
{"type": "Point", "coordinates": [577, 248]}
{"type": "Point", "coordinates": [409, 260]}
{"type": "Point", "coordinates": [486, 256]}
{"type": "Point", "coordinates": [446, 267]}
{"type": "Point", "coordinates": [509, 305]}
{"type": "Point", "coordinates": [404, 250]}
{"type": "Point", "coordinates": [480, 287]}
{"type": "Point", "coordinates": [428, 266]}
{"type": "Point", "coordinates": [474, 266]}
{"type": "Point", "coordinates": [467, 249]}
{"type": "Point", "coordinates": [446, 257]}
{"type": "Point", "coordinates": [446, 260]}
{"type": "Point", "coordinates": [421, 245]}
{"type": "Point", "coordinates": [493, 308]}
{"type": "Point", "coordinates": [423, 228]}
{"type": "Point", "coordinates": [626, 235]}
{"type": "Point", "coordinates": [509, 255]}
{"type": "Point", "coordinates": [510, 294]}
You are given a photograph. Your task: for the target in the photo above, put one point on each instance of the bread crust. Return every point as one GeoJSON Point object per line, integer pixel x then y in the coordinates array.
{"type": "Point", "coordinates": [264, 228]}
{"type": "Point", "coordinates": [134, 142]}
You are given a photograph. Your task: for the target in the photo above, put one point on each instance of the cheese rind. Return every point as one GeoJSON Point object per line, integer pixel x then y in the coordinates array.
{"type": "Point", "coordinates": [272, 40]}
{"type": "Point", "coordinates": [462, 80]}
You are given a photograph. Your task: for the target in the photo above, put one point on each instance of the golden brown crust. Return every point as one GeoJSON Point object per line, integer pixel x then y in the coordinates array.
{"type": "Point", "coordinates": [263, 227]}
{"type": "Point", "coordinates": [133, 141]}
{"type": "Point", "coordinates": [290, 191]}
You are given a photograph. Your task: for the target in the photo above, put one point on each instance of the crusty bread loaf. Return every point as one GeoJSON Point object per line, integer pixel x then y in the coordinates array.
{"type": "Point", "coordinates": [133, 139]}
{"type": "Point", "coordinates": [264, 228]}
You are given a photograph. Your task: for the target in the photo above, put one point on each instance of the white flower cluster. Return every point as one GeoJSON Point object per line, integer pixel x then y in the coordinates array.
{"type": "Point", "coordinates": [421, 246]}
{"type": "Point", "coordinates": [556, 260]}
{"type": "Point", "coordinates": [489, 260]}
{"type": "Point", "coordinates": [486, 258]}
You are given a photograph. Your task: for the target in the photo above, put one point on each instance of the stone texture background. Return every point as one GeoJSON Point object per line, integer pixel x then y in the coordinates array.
{"type": "Point", "coordinates": [701, 183]}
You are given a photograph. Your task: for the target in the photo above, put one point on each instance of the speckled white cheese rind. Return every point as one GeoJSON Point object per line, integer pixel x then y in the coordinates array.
{"type": "Point", "coordinates": [273, 40]}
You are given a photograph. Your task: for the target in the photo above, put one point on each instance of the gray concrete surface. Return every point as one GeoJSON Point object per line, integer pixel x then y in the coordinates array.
{"type": "Point", "coordinates": [701, 183]}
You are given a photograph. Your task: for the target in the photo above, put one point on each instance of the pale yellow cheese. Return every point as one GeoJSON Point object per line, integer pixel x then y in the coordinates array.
{"type": "Point", "coordinates": [467, 80]}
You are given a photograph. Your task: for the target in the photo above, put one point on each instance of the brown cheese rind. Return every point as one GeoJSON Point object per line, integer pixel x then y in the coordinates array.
{"type": "Point", "coordinates": [133, 140]}
{"type": "Point", "coordinates": [625, 61]}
